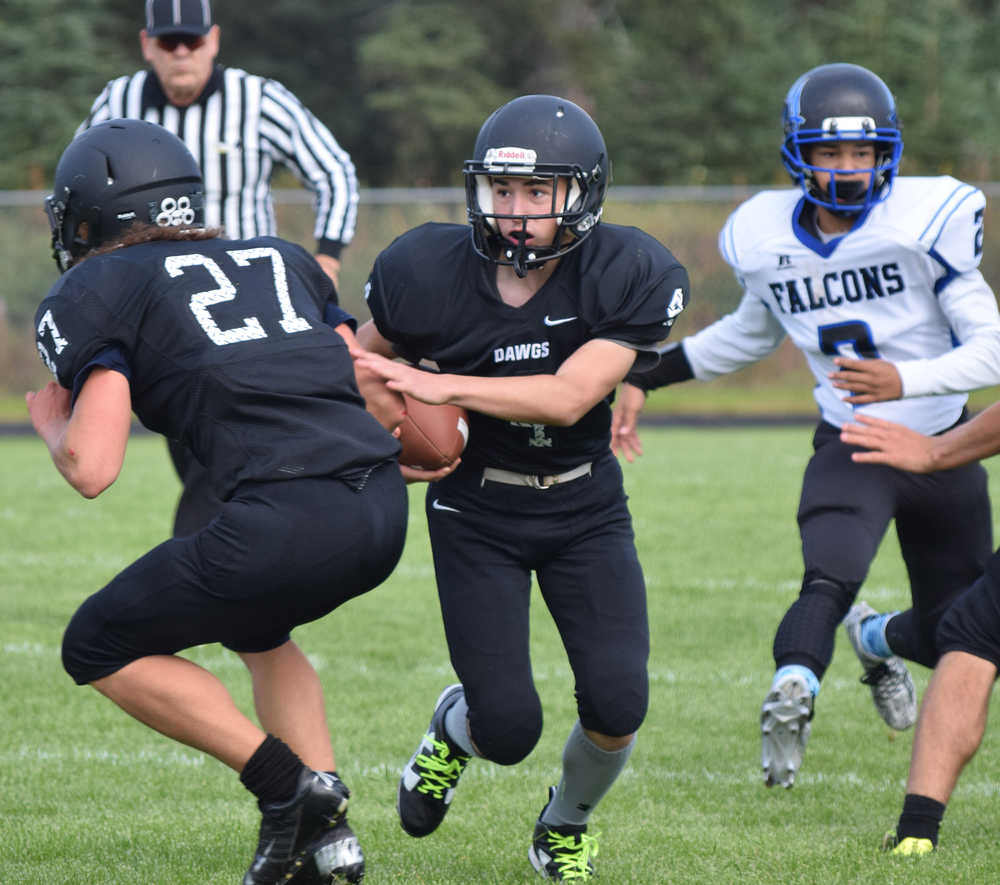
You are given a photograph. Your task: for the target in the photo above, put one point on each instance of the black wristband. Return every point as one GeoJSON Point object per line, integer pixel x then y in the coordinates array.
{"type": "Point", "coordinates": [332, 248]}
{"type": "Point", "coordinates": [672, 368]}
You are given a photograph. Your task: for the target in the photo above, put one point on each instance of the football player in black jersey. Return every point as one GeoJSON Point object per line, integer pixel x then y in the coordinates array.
{"type": "Point", "coordinates": [955, 709]}
{"type": "Point", "coordinates": [532, 318]}
{"type": "Point", "coordinates": [230, 347]}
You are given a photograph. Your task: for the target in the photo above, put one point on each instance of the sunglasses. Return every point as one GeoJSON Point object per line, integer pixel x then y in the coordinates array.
{"type": "Point", "coordinates": [171, 42]}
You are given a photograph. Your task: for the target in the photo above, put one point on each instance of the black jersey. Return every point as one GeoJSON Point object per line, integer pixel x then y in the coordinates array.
{"type": "Point", "coordinates": [432, 296]}
{"type": "Point", "coordinates": [226, 350]}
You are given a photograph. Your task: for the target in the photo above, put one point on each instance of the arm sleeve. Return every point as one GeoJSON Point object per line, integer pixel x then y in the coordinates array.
{"type": "Point", "coordinates": [971, 309]}
{"type": "Point", "coordinates": [735, 341]}
{"type": "Point", "coordinates": [954, 240]}
{"type": "Point", "coordinates": [303, 144]}
{"type": "Point", "coordinates": [334, 315]}
{"type": "Point", "coordinates": [111, 357]}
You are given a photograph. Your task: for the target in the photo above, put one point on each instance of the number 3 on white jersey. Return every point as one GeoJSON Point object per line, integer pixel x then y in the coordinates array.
{"type": "Point", "coordinates": [201, 301]}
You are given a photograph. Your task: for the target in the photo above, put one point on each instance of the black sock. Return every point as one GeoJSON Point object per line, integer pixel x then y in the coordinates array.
{"type": "Point", "coordinates": [920, 819]}
{"type": "Point", "coordinates": [272, 772]}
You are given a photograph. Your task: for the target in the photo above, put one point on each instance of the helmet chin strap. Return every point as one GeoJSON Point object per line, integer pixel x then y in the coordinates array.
{"type": "Point", "coordinates": [523, 257]}
{"type": "Point", "coordinates": [851, 191]}
{"type": "Point", "coordinates": [520, 258]}
{"type": "Point", "coordinates": [849, 195]}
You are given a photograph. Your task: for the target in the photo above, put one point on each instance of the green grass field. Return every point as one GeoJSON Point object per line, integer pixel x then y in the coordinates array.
{"type": "Point", "coordinates": [89, 796]}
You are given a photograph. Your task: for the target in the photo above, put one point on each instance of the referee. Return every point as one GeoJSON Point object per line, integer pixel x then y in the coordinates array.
{"type": "Point", "coordinates": [238, 126]}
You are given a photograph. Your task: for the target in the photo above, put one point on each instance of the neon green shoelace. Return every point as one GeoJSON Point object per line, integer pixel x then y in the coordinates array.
{"type": "Point", "coordinates": [573, 857]}
{"type": "Point", "coordinates": [438, 772]}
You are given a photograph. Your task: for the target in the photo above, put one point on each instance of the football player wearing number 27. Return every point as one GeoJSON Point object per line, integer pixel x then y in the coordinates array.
{"type": "Point", "coordinates": [237, 348]}
{"type": "Point", "coordinates": [533, 317]}
{"type": "Point", "coordinates": [875, 278]}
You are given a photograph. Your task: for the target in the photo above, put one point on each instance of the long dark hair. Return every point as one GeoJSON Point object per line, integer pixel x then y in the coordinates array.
{"type": "Point", "coordinates": [141, 232]}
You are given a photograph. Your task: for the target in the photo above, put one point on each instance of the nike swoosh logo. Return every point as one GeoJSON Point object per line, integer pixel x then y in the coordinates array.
{"type": "Point", "coordinates": [559, 322]}
{"type": "Point", "coordinates": [437, 505]}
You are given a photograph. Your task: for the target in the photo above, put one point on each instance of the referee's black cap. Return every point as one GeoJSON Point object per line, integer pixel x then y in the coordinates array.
{"type": "Point", "coordinates": [165, 17]}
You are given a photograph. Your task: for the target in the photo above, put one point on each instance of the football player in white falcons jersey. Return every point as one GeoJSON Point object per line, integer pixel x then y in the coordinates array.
{"type": "Point", "coordinates": [875, 278]}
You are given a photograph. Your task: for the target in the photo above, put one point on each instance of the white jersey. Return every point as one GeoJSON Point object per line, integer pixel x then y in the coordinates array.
{"type": "Point", "coordinates": [903, 285]}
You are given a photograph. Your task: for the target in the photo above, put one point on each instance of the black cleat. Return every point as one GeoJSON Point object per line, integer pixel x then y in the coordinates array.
{"type": "Point", "coordinates": [293, 832]}
{"type": "Point", "coordinates": [562, 853]}
{"type": "Point", "coordinates": [430, 777]}
{"type": "Point", "coordinates": [333, 859]}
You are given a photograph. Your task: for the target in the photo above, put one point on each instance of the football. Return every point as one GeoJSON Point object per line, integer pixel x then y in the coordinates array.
{"type": "Point", "coordinates": [432, 437]}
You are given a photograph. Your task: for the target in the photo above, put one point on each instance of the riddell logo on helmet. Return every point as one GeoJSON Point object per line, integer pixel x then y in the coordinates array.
{"type": "Point", "coordinates": [511, 158]}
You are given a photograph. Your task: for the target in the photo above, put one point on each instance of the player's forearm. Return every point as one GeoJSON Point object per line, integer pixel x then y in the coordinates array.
{"type": "Point", "coordinates": [561, 399]}
{"type": "Point", "coordinates": [330, 266]}
{"type": "Point", "coordinates": [384, 404]}
{"type": "Point", "coordinates": [369, 338]}
{"type": "Point", "coordinates": [53, 434]}
{"type": "Point", "coordinates": [534, 399]}
{"type": "Point", "coordinates": [90, 449]}
{"type": "Point", "coordinates": [51, 416]}
{"type": "Point", "coordinates": [976, 439]}
{"type": "Point", "coordinates": [83, 468]}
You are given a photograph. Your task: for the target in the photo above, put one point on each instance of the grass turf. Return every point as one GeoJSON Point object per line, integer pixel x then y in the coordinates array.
{"type": "Point", "coordinates": [89, 796]}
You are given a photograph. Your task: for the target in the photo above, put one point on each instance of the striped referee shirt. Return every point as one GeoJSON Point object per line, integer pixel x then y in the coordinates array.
{"type": "Point", "coordinates": [240, 126]}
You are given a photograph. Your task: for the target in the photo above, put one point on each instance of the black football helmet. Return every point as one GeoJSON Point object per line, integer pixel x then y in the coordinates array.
{"type": "Point", "coordinates": [841, 102]}
{"type": "Point", "coordinates": [537, 136]}
{"type": "Point", "coordinates": [117, 173]}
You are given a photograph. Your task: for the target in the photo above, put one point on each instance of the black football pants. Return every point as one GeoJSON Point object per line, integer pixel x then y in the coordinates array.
{"type": "Point", "coordinates": [972, 623]}
{"type": "Point", "coordinates": [944, 527]}
{"type": "Point", "coordinates": [278, 555]}
{"type": "Point", "coordinates": [487, 539]}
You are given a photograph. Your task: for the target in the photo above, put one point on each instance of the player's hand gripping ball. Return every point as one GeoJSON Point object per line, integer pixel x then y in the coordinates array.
{"type": "Point", "coordinates": [432, 437]}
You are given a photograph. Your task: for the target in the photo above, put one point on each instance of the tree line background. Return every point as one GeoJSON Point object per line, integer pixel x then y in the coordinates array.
{"type": "Point", "coordinates": [686, 93]}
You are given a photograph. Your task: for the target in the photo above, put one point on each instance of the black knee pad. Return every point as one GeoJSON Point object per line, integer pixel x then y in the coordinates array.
{"type": "Point", "coordinates": [506, 734]}
{"type": "Point", "coordinates": [806, 633]}
{"type": "Point", "coordinates": [842, 593]}
{"type": "Point", "coordinates": [88, 651]}
{"type": "Point", "coordinates": [615, 708]}
{"type": "Point", "coordinates": [78, 639]}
